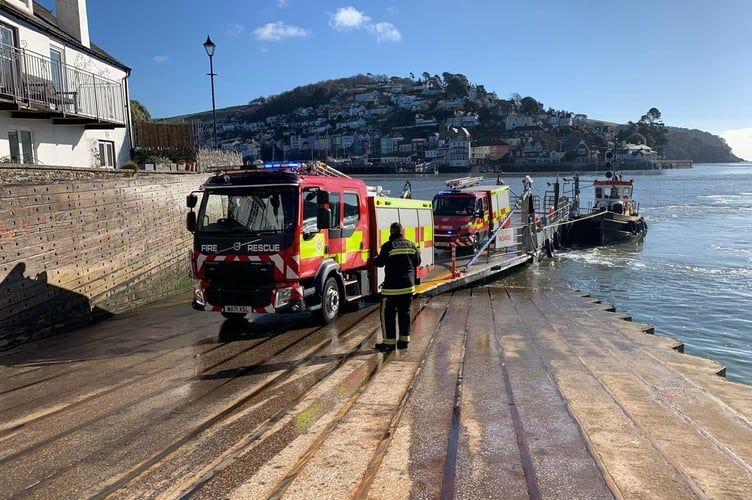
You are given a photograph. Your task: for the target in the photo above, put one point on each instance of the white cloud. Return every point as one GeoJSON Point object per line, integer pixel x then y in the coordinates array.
{"type": "Point", "coordinates": [282, 3]}
{"type": "Point", "coordinates": [235, 30]}
{"type": "Point", "coordinates": [274, 32]}
{"type": "Point", "coordinates": [350, 18]}
{"type": "Point", "coordinates": [161, 59]}
{"type": "Point", "coordinates": [386, 32]}
{"type": "Point", "coordinates": [740, 141]}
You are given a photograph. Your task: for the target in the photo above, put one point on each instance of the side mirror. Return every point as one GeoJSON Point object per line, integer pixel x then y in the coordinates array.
{"type": "Point", "coordinates": [191, 200]}
{"type": "Point", "coordinates": [323, 218]}
{"type": "Point", "coordinates": [322, 197]}
{"type": "Point", "coordinates": [190, 221]}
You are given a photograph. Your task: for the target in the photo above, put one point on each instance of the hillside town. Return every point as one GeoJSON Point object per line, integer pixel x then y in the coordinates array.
{"type": "Point", "coordinates": [428, 123]}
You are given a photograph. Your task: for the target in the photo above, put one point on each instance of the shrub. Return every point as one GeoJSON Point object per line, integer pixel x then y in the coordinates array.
{"type": "Point", "coordinates": [159, 160]}
{"type": "Point", "coordinates": [130, 165]}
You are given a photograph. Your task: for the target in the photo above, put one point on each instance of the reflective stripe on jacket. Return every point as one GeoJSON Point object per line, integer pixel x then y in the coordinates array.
{"type": "Point", "coordinates": [399, 257]}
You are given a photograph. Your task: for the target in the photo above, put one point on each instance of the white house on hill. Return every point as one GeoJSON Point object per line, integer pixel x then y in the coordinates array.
{"type": "Point", "coordinates": [63, 100]}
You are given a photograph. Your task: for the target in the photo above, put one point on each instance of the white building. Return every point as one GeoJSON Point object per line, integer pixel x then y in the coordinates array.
{"type": "Point", "coordinates": [54, 110]}
{"type": "Point", "coordinates": [512, 122]}
{"type": "Point", "coordinates": [457, 147]}
{"type": "Point", "coordinates": [461, 119]}
{"type": "Point", "coordinates": [635, 152]}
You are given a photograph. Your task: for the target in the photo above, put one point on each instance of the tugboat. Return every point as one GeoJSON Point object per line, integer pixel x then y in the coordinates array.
{"type": "Point", "coordinates": [612, 218]}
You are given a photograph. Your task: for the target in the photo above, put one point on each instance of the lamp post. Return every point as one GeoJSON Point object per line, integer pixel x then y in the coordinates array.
{"type": "Point", "coordinates": [209, 47]}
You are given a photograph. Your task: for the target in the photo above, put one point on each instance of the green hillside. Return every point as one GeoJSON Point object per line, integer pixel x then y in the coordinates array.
{"type": "Point", "coordinates": [439, 96]}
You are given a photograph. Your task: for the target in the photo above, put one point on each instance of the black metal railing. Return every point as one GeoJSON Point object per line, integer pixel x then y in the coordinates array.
{"type": "Point", "coordinates": [39, 82]}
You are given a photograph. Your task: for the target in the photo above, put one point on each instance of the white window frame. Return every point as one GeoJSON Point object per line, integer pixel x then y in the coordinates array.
{"type": "Point", "coordinates": [21, 145]}
{"type": "Point", "coordinates": [106, 153]}
{"type": "Point", "coordinates": [56, 68]}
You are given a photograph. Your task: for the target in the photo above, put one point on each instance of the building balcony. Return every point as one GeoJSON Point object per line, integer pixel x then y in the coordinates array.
{"type": "Point", "coordinates": [33, 86]}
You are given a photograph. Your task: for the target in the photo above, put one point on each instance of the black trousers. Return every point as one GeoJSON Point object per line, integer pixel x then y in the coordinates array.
{"type": "Point", "coordinates": [395, 309]}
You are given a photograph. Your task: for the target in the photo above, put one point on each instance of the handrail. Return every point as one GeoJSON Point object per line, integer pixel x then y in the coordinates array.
{"type": "Point", "coordinates": [31, 79]}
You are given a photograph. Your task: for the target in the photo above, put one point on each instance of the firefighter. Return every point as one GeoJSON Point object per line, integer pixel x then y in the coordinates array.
{"type": "Point", "coordinates": [400, 258]}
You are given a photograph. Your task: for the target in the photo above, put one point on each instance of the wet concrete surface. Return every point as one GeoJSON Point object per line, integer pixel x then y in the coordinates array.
{"type": "Point", "coordinates": [506, 391]}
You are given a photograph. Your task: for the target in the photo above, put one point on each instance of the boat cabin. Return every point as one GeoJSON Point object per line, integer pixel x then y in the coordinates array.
{"type": "Point", "coordinates": [613, 196]}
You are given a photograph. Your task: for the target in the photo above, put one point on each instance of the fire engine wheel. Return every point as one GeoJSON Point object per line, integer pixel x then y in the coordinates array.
{"type": "Point", "coordinates": [476, 244]}
{"type": "Point", "coordinates": [330, 301]}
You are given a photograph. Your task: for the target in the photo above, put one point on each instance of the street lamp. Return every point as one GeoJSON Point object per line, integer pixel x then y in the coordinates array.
{"type": "Point", "coordinates": [209, 47]}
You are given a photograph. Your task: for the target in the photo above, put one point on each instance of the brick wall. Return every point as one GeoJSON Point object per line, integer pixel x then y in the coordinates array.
{"type": "Point", "coordinates": [80, 244]}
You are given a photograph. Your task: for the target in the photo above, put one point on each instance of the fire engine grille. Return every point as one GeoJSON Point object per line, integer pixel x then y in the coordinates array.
{"type": "Point", "coordinates": [239, 274]}
{"type": "Point", "coordinates": [222, 296]}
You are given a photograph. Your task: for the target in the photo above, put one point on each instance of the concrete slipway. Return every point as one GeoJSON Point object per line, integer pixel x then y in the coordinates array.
{"type": "Point", "coordinates": [530, 393]}
{"type": "Point", "coordinates": [526, 391]}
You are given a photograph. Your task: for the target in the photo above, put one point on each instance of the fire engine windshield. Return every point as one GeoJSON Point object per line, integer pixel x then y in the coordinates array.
{"type": "Point", "coordinates": [453, 205]}
{"type": "Point", "coordinates": [267, 209]}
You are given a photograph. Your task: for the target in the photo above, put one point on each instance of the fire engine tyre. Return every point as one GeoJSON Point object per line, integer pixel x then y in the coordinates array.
{"type": "Point", "coordinates": [331, 300]}
{"type": "Point", "coordinates": [476, 244]}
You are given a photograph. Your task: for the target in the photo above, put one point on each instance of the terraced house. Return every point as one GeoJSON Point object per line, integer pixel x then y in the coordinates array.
{"type": "Point", "coordinates": [63, 100]}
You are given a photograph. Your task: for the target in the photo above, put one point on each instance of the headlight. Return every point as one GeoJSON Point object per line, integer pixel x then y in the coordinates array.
{"type": "Point", "coordinates": [198, 295]}
{"type": "Point", "coordinates": [282, 297]}
{"type": "Point", "coordinates": [465, 226]}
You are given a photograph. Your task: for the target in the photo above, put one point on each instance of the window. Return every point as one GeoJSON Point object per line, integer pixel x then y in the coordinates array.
{"type": "Point", "coordinates": [106, 154]}
{"type": "Point", "coordinates": [352, 211]}
{"type": "Point", "coordinates": [7, 60]}
{"type": "Point", "coordinates": [21, 146]}
{"type": "Point", "coordinates": [310, 211]}
{"type": "Point", "coordinates": [334, 205]}
{"type": "Point", "coordinates": [56, 69]}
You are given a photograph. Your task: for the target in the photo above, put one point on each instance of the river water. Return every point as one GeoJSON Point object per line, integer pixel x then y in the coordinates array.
{"type": "Point", "coordinates": [692, 276]}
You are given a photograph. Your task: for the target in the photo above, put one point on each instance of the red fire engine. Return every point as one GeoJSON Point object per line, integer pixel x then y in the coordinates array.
{"type": "Point", "coordinates": [467, 213]}
{"type": "Point", "coordinates": [290, 237]}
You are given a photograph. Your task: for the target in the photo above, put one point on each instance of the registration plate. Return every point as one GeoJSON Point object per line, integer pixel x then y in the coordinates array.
{"type": "Point", "coordinates": [236, 309]}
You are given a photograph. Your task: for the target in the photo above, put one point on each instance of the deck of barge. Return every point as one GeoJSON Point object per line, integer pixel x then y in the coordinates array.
{"type": "Point", "coordinates": [447, 276]}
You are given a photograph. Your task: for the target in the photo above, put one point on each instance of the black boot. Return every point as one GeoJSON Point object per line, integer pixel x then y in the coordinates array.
{"type": "Point", "coordinates": [384, 347]}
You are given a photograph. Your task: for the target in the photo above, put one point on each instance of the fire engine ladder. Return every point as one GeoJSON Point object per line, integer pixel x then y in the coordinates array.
{"type": "Point", "coordinates": [463, 182]}
{"type": "Point", "coordinates": [321, 168]}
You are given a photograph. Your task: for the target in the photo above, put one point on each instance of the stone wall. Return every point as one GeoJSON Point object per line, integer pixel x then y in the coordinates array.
{"type": "Point", "coordinates": [207, 158]}
{"type": "Point", "coordinates": [79, 244]}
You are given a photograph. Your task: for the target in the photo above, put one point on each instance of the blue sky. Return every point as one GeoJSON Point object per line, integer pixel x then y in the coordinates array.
{"type": "Point", "coordinates": [610, 60]}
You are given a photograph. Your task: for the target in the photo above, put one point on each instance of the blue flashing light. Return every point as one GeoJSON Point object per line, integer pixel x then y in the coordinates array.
{"type": "Point", "coordinates": [278, 165]}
